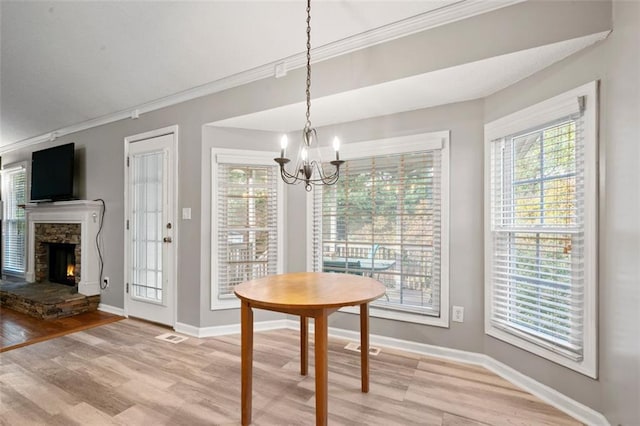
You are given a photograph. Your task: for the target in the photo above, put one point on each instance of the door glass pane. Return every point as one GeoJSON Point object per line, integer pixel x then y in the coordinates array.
{"type": "Point", "coordinates": [146, 226]}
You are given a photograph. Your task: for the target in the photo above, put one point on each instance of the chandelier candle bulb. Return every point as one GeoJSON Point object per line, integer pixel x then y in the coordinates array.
{"type": "Point", "coordinates": [283, 145]}
{"type": "Point", "coordinates": [336, 146]}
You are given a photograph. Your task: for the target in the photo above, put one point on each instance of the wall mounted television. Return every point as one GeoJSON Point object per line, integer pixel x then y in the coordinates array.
{"type": "Point", "coordinates": [52, 173]}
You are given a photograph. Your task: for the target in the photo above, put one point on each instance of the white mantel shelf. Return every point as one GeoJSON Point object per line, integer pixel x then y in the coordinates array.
{"type": "Point", "coordinates": [64, 205]}
{"type": "Point", "coordinates": [85, 212]}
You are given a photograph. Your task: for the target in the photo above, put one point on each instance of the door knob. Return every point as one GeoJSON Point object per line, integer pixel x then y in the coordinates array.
{"type": "Point", "coordinates": [167, 239]}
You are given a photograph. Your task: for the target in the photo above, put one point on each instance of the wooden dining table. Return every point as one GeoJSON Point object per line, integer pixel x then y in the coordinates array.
{"type": "Point", "coordinates": [309, 295]}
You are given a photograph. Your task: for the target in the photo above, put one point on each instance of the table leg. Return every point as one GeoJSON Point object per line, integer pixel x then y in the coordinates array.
{"type": "Point", "coordinates": [322, 373]}
{"type": "Point", "coordinates": [364, 346]}
{"type": "Point", "coordinates": [304, 342]}
{"type": "Point", "coordinates": [246, 328]}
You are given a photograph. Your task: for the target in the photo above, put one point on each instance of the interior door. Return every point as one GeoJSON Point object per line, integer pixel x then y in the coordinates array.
{"type": "Point", "coordinates": [150, 229]}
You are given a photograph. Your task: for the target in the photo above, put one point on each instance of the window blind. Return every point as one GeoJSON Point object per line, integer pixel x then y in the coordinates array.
{"type": "Point", "coordinates": [383, 219]}
{"type": "Point", "coordinates": [537, 220]}
{"type": "Point", "coordinates": [247, 222]}
{"type": "Point", "coordinates": [14, 224]}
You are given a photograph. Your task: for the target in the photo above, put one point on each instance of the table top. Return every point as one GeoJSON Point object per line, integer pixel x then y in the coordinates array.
{"type": "Point", "coordinates": [310, 290]}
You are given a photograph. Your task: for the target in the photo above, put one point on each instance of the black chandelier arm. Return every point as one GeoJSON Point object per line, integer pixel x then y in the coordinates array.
{"type": "Point", "coordinates": [293, 179]}
{"type": "Point", "coordinates": [288, 178]}
{"type": "Point", "coordinates": [323, 178]}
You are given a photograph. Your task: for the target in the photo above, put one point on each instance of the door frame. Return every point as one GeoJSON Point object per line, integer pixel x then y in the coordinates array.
{"type": "Point", "coordinates": [169, 130]}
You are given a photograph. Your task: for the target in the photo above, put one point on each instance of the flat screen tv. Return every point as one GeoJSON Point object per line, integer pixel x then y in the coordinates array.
{"type": "Point", "coordinates": [52, 172]}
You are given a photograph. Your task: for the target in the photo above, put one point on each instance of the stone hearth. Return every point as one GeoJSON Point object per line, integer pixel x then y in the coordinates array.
{"type": "Point", "coordinates": [45, 300]}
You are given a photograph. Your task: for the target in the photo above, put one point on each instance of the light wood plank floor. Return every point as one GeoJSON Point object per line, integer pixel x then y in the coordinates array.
{"type": "Point", "coordinates": [18, 329]}
{"type": "Point", "coordinates": [120, 374]}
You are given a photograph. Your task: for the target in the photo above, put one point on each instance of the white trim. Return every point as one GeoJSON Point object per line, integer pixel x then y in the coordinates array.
{"type": "Point", "coordinates": [525, 119]}
{"type": "Point", "coordinates": [390, 146]}
{"type": "Point", "coordinates": [551, 396]}
{"type": "Point", "coordinates": [450, 13]}
{"type": "Point", "coordinates": [402, 145]}
{"type": "Point", "coordinates": [17, 165]}
{"type": "Point", "coordinates": [82, 212]}
{"type": "Point", "coordinates": [6, 168]}
{"type": "Point", "coordinates": [242, 157]}
{"type": "Point", "coordinates": [225, 330]}
{"type": "Point", "coordinates": [536, 115]}
{"type": "Point", "coordinates": [405, 316]}
{"type": "Point", "coordinates": [111, 309]}
{"type": "Point", "coordinates": [169, 130]}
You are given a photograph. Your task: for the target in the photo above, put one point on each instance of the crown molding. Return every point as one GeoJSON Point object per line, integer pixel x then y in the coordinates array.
{"type": "Point", "coordinates": [447, 14]}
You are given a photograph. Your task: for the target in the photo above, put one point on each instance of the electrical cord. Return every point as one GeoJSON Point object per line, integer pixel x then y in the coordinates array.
{"type": "Point", "coordinates": [103, 286]}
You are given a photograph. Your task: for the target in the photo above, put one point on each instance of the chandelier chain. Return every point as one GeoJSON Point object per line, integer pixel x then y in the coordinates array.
{"type": "Point", "coordinates": [309, 168]}
{"type": "Point", "coordinates": [308, 91]}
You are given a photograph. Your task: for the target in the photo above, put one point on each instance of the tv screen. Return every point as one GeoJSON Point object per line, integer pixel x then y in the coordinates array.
{"type": "Point", "coordinates": [52, 173]}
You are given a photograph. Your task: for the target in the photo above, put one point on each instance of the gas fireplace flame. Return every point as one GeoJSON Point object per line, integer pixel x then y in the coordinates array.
{"type": "Point", "coordinates": [71, 270]}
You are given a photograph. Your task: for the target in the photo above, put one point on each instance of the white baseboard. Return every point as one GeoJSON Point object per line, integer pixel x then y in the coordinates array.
{"type": "Point", "coordinates": [552, 397]}
{"type": "Point", "coordinates": [223, 330]}
{"type": "Point", "coordinates": [111, 309]}
{"type": "Point", "coordinates": [415, 347]}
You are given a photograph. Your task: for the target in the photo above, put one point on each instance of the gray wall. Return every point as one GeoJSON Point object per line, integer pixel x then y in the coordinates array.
{"type": "Point", "coordinates": [464, 120]}
{"type": "Point", "coordinates": [615, 62]}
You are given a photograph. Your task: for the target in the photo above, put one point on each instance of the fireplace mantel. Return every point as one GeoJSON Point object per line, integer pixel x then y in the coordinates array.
{"type": "Point", "coordinates": [84, 212]}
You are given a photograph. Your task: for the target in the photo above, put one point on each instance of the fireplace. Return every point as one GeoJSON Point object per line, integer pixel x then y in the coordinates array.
{"type": "Point", "coordinates": [75, 223]}
{"type": "Point", "coordinates": [62, 263]}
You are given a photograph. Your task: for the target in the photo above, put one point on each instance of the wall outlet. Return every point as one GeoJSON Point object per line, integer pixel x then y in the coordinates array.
{"type": "Point", "coordinates": [458, 314]}
{"type": "Point", "coordinates": [105, 280]}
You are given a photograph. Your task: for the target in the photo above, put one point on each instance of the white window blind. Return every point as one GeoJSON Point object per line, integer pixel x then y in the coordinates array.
{"type": "Point", "coordinates": [14, 225]}
{"type": "Point", "coordinates": [247, 224]}
{"type": "Point", "coordinates": [538, 229]}
{"type": "Point", "coordinates": [383, 220]}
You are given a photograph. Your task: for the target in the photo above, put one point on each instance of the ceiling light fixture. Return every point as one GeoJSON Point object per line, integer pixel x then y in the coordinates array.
{"type": "Point", "coordinates": [309, 166]}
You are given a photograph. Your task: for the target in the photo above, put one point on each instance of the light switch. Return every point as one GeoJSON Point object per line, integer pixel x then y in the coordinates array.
{"type": "Point", "coordinates": [186, 213]}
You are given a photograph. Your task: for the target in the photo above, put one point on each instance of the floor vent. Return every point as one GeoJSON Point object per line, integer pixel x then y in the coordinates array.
{"type": "Point", "coordinates": [171, 338]}
{"type": "Point", "coordinates": [355, 347]}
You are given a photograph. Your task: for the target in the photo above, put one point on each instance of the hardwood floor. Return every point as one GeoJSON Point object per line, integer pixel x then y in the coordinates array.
{"type": "Point", "coordinates": [18, 329]}
{"type": "Point", "coordinates": [121, 374]}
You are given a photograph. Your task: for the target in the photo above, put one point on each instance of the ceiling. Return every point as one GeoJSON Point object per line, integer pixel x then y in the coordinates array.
{"type": "Point", "coordinates": [69, 65]}
{"type": "Point", "coordinates": [64, 63]}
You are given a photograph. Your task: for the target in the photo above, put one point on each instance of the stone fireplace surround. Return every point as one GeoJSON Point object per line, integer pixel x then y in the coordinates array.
{"type": "Point", "coordinates": [73, 222]}
{"type": "Point", "coordinates": [52, 233]}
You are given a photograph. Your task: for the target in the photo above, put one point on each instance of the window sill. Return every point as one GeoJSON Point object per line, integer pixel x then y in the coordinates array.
{"type": "Point", "coordinates": [412, 317]}
{"type": "Point", "coordinates": [223, 304]}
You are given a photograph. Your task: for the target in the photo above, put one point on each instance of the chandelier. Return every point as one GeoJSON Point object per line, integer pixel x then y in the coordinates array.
{"type": "Point", "coordinates": [309, 167]}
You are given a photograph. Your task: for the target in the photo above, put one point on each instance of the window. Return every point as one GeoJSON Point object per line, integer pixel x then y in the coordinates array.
{"type": "Point", "coordinates": [14, 187]}
{"type": "Point", "coordinates": [386, 219]}
{"type": "Point", "coordinates": [540, 262]}
{"type": "Point", "coordinates": [247, 221]}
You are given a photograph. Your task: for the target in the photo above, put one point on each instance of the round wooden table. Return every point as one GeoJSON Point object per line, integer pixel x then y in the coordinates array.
{"type": "Point", "coordinates": [308, 295]}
